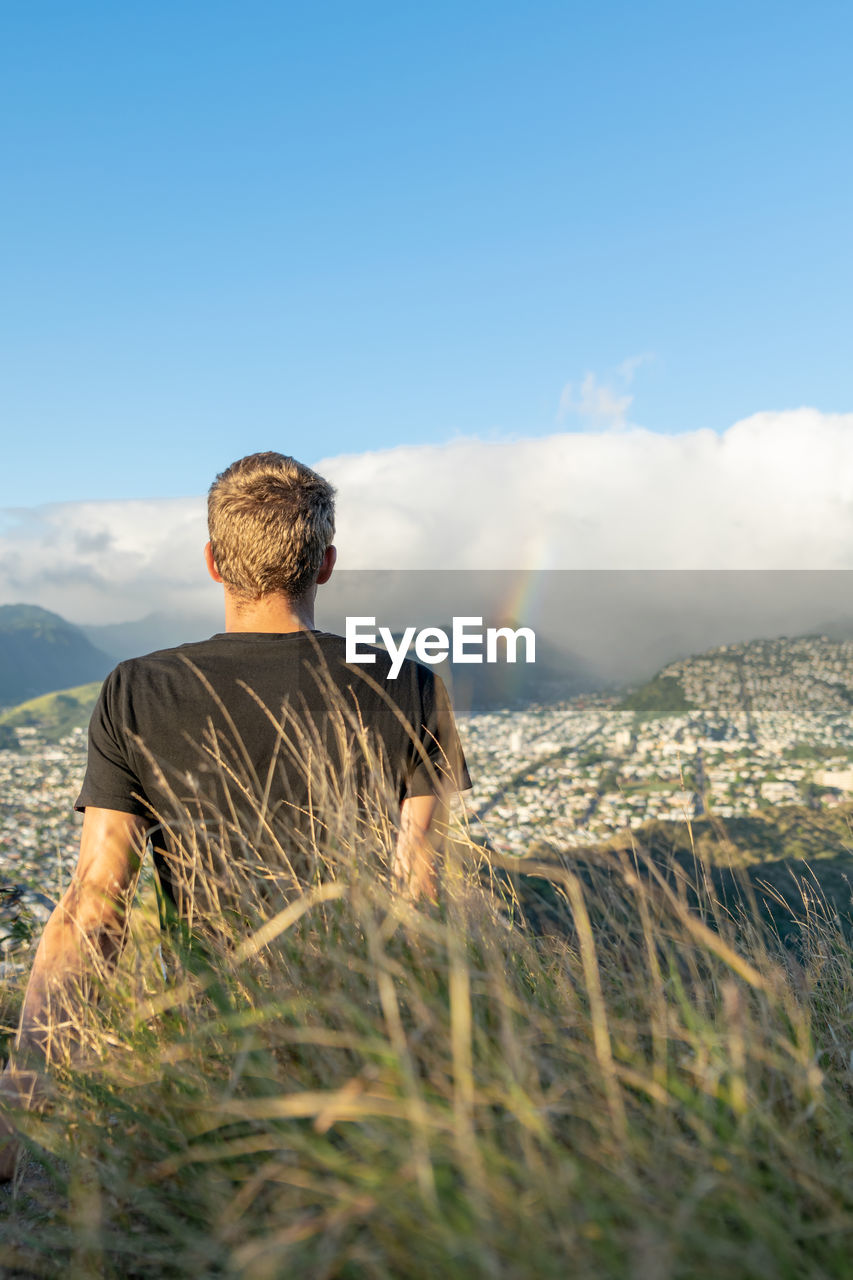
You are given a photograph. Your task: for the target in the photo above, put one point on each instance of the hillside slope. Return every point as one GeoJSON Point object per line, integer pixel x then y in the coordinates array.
{"type": "Point", "coordinates": [41, 652]}
{"type": "Point", "coordinates": [53, 714]}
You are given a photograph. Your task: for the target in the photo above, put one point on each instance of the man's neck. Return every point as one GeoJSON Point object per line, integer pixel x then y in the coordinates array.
{"type": "Point", "coordinates": [274, 613]}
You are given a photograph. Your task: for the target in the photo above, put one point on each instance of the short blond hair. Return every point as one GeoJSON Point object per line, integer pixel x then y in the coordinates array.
{"type": "Point", "coordinates": [270, 520]}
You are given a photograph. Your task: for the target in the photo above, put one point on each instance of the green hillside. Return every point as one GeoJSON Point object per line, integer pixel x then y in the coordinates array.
{"type": "Point", "coordinates": [54, 714]}
{"type": "Point", "coordinates": [771, 850]}
{"type": "Point", "coordinates": [663, 696]}
{"type": "Point", "coordinates": [40, 652]}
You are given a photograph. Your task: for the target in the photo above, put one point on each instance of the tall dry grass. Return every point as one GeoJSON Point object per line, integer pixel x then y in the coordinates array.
{"type": "Point", "coordinates": [587, 1069]}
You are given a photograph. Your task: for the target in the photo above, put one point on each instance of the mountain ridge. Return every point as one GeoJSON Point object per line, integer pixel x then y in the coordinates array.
{"type": "Point", "coordinates": [41, 652]}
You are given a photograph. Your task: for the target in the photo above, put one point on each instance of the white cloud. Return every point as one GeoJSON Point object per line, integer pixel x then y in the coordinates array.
{"type": "Point", "coordinates": [597, 404]}
{"type": "Point", "coordinates": [106, 561]}
{"type": "Point", "coordinates": [775, 491]}
{"type": "Point", "coordinates": [627, 369]}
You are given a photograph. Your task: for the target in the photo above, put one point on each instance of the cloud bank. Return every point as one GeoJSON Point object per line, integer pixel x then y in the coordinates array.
{"type": "Point", "coordinates": [774, 491]}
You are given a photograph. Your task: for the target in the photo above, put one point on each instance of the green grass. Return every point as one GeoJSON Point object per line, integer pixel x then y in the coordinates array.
{"type": "Point", "coordinates": [54, 714]}
{"type": "Point", "coordinates": [591, 1067]}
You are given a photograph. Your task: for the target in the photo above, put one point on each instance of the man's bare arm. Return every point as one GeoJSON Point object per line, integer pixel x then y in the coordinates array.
{"type": "Point", "coordinates": [413, 868]}
{"type": "Point", "coordinates": [87, 929]}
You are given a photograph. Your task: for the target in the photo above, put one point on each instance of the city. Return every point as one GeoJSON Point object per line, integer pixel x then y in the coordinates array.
{"type": "Point", "coordinates": [756, 725]}
{"type": "Point", "coordinates": [767, 723]}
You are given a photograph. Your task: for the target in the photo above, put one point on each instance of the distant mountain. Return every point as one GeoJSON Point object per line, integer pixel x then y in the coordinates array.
{"type": "Point", "coordinates": [53, 714]}
{"type": "Point", "coordinates": [155, 631]}
{"type": "Point", "coordinates": [41, 652]}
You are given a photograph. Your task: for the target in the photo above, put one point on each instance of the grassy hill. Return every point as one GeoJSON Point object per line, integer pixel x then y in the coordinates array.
{"type": "Point", "coordinates": [637, 1089]}
{"type": "Point", "coordinates": [663, 696]}
{"type": "Point", "coordinates": [53, 714]}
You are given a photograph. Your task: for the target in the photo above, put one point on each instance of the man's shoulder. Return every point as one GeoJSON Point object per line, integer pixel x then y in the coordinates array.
{"type": "Point", "coordinates": [400, 680]}
{"type": "Point", "coordinates": [144, 667]}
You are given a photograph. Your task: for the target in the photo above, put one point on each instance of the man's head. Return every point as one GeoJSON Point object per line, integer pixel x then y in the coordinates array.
{"type": "Point", "coordinates": [270, 521]}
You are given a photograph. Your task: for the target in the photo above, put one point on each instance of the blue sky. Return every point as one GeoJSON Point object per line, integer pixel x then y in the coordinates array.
{"type": "Point", "coordinates": [330, 228]}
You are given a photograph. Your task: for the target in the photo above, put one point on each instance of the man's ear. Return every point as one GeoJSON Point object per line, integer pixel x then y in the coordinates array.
{"type": "Point", "coordinates": [211, 563]}
{"type": "Point", "coordinates": [327, 566]}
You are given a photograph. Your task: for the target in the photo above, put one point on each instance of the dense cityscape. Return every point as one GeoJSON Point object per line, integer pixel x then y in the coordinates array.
{"type": "Point", "coordinates": [738, 728]}
{"type": "Point", "coordinates": [733, 730]}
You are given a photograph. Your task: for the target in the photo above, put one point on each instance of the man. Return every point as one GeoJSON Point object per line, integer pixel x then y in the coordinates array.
{"type": "Point", "coordinates": [237, 756]}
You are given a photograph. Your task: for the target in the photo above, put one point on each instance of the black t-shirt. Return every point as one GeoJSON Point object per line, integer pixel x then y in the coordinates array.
{"type": "Point", "coordinates": [256, 741]}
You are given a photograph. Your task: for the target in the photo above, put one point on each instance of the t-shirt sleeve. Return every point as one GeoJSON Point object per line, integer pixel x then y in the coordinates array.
{"type": "Point", "coordinates": [439, 761]}
{"type": "Point", "coordinates": [110, 781]}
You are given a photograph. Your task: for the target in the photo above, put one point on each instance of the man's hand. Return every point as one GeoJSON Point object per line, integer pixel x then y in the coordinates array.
{"type": "Point", "coordinates": [88, 926]}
